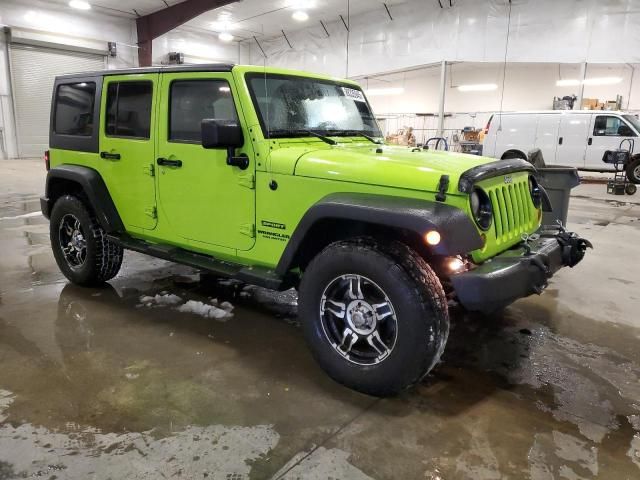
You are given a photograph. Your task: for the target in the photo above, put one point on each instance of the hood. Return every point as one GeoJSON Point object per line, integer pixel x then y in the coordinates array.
{"type": "Point", "coordinates": [395, 166]}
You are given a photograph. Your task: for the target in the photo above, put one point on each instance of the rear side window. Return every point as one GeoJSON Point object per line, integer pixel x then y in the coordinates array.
{"type": "Point", "coordinates": [129, 109]}
{"type": "Point", "coordinates": [74, 109]}
{"type": "Point", "coordinates": [191, 101]}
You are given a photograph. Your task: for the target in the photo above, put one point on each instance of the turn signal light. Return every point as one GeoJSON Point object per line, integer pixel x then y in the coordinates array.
{"type": "Point", "coordinates": [455, 264]}
{"type": "Point", "coordinates": [432, 238]}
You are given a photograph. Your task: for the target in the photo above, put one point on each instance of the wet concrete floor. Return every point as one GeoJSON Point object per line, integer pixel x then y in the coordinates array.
{"type": "Point", "coordinates": [107, 384]}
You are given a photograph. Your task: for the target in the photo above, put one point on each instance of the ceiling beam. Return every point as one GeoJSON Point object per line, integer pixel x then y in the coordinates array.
{"type": "Point", "coordinates": [158, 23]}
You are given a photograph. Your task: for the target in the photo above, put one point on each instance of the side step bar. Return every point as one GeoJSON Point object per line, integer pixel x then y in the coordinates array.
{"type": "Point", "coordinates": [262, 277]}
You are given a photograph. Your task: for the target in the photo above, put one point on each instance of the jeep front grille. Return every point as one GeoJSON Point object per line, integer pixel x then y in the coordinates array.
{"type": "Point", "coordinates": [513, 210]}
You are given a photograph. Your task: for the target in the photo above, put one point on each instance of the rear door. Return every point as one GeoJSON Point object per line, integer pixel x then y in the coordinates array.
{"type": "Point", "coordinates": [572, 139]}
{"type": "Point", "coordinates": [204, 201]}
{"type": "Point", "coordinates": [606, 133]}
{"type": "Point", "coordinates": [127, 148]}
{"type": "Point", "coordinates": [547, 136]}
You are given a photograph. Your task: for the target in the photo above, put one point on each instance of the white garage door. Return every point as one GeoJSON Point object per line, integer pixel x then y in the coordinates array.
{"type": "Point", "coordinates": [33, 70]}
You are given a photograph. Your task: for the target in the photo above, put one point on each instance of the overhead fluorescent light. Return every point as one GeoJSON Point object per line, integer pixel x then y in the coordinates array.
{"type": "Point", "coordinates": [602, 81]}
{"type": "Point", "coordinates": [589, 81]}
{"type": "Point", "coordinates": [79, 4]}
{"type": "Point", "coordinates": [375, 92]}
{"type": "Point", "coordinates": [568, 83]}
{"type": "Point", "coordinates": [225, 37]}
{"type": "Point", "coordinates": [301, 4]}
{"type": "Point", "coordinates": [478, 87]}
{"type": "Point", "coordinates": [300, 16]}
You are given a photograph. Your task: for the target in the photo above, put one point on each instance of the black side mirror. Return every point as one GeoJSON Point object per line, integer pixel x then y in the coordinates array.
{"type": "Point", "coordinates": [221, 133]}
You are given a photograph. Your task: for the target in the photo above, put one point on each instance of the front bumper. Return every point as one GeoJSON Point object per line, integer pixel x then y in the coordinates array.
{"type": "Point", "coordinates": [518, 272]}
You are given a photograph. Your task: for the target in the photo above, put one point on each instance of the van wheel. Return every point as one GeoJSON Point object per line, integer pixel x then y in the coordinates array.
{"type": "Point", "coordinates": [80, 246]}
{"type": "Point", "coordinates": [633, 170]}
{"type": "Point", "coordinates": [374, 315]}
{"type": "Point", "coordinates": [511, 155]}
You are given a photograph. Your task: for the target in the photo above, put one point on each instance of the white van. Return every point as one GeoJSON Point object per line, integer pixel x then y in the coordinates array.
{"type": "Point", "coordinates": [576, 138]}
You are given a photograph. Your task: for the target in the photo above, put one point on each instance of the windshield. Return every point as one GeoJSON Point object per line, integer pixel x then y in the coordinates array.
{"type": "Point", "coordinates": [633, 120]}
{"type": "Point", "coordinates": [299, 106]}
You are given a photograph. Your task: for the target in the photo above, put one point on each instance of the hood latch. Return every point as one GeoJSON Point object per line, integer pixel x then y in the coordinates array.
{"type": "Point", "coordinates": [443, 186]}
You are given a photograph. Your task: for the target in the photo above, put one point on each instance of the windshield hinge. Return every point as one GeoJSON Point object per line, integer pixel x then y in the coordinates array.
{"type": "Point", "coordinates": [248, 229]}
{"type": "Point", "coordinates": [247, 180]}
{"type": "Point", "coordinates": [151, 212]}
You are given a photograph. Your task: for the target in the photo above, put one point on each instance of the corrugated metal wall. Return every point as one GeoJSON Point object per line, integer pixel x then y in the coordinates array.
{"type": "Point", "coordinates": [33, 70]}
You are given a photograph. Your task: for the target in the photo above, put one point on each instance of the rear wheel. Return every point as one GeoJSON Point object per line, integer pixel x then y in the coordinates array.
{"type": "Point", "coordinates": [375, 316]}
{"type": "Point", "coordinates": [80, 246]}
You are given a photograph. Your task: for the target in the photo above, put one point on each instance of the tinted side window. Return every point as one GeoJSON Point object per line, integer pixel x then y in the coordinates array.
{"type": "Point", "coordinates": [191, 101]}
{"type": "Point", "coordinates": [129, 109]}
{"type": "Point", "coordinates": [605, 125]}
{"type": "Point", "coordinates": [74, 109]}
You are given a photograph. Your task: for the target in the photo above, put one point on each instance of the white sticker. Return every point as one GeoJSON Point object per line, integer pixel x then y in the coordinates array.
{"type": "Point", "coordinates": [353, 94]}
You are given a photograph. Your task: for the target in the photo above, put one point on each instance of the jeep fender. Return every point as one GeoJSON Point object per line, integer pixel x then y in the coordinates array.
{"type": "Point", "coordinates": [458, 232]}
{"type": "Point", "coordinates": [89, 181]}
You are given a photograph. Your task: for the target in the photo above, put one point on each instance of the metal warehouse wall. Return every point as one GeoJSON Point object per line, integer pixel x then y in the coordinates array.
{"type": "Point", "coordinates": [558, 31]}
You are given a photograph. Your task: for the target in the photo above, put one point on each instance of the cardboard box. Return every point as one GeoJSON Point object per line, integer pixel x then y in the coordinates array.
{"type": "Point", "coordinates": [589, 103]}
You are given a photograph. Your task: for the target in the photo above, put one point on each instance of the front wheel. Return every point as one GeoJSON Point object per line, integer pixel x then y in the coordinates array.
{"type": "Point", "coordinates": [374, 315]}
{"type": "Point", "coordinates": [80, 246]}
{"type": "Point", "coordinates": [633, 171]}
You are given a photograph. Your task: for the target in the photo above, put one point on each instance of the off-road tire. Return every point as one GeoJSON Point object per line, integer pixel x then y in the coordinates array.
{"type": "Point", "coordinates": [417, 297]}
{"type": "Point", "coordinates": [103, 257]}
{"type": "Point", "coordinates": [633, 170]}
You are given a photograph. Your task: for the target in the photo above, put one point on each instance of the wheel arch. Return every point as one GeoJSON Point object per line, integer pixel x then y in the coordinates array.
{"type": "Point", "coordinates": [347, 215]}
{"type": "Point", "coordinates": [87, 183]}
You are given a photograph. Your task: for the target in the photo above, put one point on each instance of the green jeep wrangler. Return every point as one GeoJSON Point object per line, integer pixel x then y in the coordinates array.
{"type": "Point", "coordinates": [281, 179]}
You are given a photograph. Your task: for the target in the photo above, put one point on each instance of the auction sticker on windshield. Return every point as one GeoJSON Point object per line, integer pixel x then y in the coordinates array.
{"type": "Point", "coordinates": [353, 94]}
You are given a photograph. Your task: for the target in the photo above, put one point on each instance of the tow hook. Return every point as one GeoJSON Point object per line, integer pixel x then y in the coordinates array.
{"type": "Point", "coordinates": [573, 247]}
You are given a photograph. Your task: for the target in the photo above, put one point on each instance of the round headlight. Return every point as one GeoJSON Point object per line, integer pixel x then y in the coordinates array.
{"type": "Point", "coordinates": [534, 190]}
{"type": "Point", "coordinates": [481, 208]}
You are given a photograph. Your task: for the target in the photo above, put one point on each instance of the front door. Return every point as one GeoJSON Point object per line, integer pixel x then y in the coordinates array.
{"type": "Point", "coordinates": [572, 139]}
{"type": "Point", "coordinates": [127, 147]}
{"type": "Point", "coordinates": [204, 201]}
{"type": "Point", "coordinates": [606, 133]}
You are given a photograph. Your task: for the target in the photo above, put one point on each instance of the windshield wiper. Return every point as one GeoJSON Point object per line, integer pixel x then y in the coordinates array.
{"type": "Point", "coordinates": [357, 133]}
{"type": "Point", "coordinates": [299, 132]}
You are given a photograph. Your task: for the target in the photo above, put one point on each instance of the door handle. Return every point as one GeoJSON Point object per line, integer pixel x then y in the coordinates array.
{"type": "Point", "coordinates": [165, 162]}
{"type": "Point", "coordinates": [590, 141]}
{"type": "Point", "coordinates": [110, 156]}
{"type": "Point", "coordinates": [559, 140]}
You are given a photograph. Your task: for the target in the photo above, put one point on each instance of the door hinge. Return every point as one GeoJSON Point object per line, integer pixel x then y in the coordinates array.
{"type": "Point", "coordinates": [248, 229]}
{"type": "Point", "coordinates": [150, 170]}
{"type": "Point", "coordinates": [152, 212]}
{"type": "Point", "coordinates": [247, 180]}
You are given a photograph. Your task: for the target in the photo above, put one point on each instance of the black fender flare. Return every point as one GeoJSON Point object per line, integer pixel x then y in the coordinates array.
{"type": "Point", "coordinates": [458, 233]}
{"type": "Point", "coordinates": [94, 189]}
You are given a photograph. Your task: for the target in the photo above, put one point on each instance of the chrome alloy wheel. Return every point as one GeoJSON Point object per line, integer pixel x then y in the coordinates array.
{"type": "Point", "coordinates": [636, 172]}
{"type": "Point", "coordinates": [358, 319]}
{"type": "Point", "coordinates": [72, 241]}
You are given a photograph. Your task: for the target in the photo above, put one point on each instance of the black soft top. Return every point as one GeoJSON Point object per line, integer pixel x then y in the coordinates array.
{"type": "Point", "coordinates": [208, 67]}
